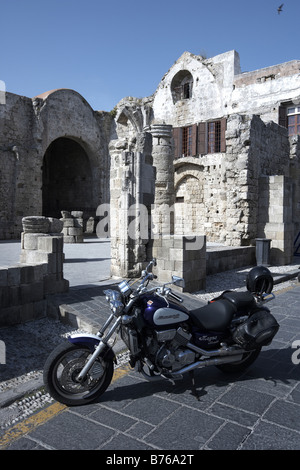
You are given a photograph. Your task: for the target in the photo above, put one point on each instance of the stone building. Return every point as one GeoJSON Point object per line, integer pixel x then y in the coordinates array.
{"type": "Point", "coordinates": [217, 149]}
{"type": "Point", "coordinates": [53, 157]}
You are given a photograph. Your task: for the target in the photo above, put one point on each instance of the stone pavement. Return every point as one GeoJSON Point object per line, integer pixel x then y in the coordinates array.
{"type": "Point", "coordinates": [258, 409]}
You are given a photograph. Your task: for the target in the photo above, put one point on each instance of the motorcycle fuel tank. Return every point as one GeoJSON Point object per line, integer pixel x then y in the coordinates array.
{"type": "Point", "coordinates": [158, 313]}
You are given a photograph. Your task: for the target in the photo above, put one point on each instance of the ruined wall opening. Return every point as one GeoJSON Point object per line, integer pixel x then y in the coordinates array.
{"type": "Point", "coordinates": [189, 206]}
{"type": "Point", "coordinates": [182, 86]}
{"type": "Point", "coordinates": [67, 178]}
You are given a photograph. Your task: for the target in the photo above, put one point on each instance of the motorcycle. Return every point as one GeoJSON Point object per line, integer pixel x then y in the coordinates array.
{"type": "Point", "coordinates": [165, 340]}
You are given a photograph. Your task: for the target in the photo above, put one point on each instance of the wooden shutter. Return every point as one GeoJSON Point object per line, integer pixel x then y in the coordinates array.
{"type": "Point", "coordinates": [282, 116]}
{"type": "Point", "coordinates": [177, 141]}
{"type": "Point", "coordinates": [194, 139]}
{"type": "Point", "coordinates": [202, 138]}
{"type": "Point", "coordinates": [223, 140]}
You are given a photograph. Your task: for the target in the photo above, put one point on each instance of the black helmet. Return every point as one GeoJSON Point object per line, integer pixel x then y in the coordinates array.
{"type": "Point", "coordinates": [259, 280]}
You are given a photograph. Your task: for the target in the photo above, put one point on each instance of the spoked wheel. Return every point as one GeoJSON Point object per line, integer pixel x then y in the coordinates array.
{"type": "Point", "coordinates": [242, 364]}
{"type": "Point", "coordinates": [62, 368]}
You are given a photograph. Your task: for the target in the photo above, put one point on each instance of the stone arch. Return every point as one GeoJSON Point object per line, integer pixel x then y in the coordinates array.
{"type": "Point", "coordinates": [189, 204]}
{"type": "Point", "coordinates": [182, 86]}
{"type": "Point", "coordinates": [67, 178]}
{"type": "Point", "coordinates": [71, 135]}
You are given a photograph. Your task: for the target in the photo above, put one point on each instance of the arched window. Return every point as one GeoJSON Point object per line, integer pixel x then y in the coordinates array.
{"type": "Point", "coordinates": [182, 86]}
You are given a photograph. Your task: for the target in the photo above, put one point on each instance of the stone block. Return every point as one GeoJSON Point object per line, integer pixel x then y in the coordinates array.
{"type": "Point", "coordinates": [75, 231]}
{"type": "Point", "coordinates": [3, 277]}
{"type": "Point", "coordinates": [32, 292]}
{"type": "Point", "coordinates": [56, 225]}
{"type": "Point", "coordinates": [26, 274]}
{"type": "Point", "coordinates": [38, 272]}
{"type": "Point", "coordinates": [69, 239]}
{"type": "Point", "coordinates": [77, 214]}
{"type": "Point", "coordinates": [68, 222]}
{"type": "Point", "coordinates": [4, 296]}
{"type": "Point", "coordinates": [79, 223]}
{"type": "Point", "coordinates": [51, 244]}
{"type": "Point", "coordinates": [10, 316]}
{"type": "Point", "coordinates": [13, 276]}
{"type": "Point", "coordinates": [52, 285]}
{"type": "Point", "coordinates": [30, 240]}
{"type": "Point", "coordinates": [14, 295]}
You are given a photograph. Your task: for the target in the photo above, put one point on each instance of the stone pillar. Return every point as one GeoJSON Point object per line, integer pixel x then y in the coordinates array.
{"type": "Point", "coordinates": [72, 226]}
{"type": "Point", "coordinates": [181, 256]}
{"type": "Point", "coordinates": [132, 188]}
{"type": "Point", "coordinates": [163, 156]}
{"type": "Point", "coordinates": [275, 216]}
{"type": "Point", "coordinates": [41, 245]}
{"type": "Point", "coordinates": [175, 254]}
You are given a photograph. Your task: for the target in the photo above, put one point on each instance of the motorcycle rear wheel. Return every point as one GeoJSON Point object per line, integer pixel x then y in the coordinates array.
{"type": "Point", "coordinates": [63, 366]}
{"type": "Point", "coordinates": [243, 364]}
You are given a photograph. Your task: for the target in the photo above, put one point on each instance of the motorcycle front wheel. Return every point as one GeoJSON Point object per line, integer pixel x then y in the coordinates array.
{"type": "Point", "coordinates": [241, 365]}
{"type": "Point", "coordinates": [62, 368]}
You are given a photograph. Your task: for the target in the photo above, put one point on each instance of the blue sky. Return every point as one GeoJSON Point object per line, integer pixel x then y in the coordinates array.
{"type": "Point", "coordinates": [106, 50]}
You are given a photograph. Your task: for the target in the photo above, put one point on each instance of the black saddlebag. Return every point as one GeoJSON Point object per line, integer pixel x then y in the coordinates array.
{"type": "Point", "coordinates": [258, 330]}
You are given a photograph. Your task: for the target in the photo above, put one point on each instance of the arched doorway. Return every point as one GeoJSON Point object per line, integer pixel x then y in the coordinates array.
{"type": "Point", "coordinates": [67, 178]}
{"type": "Point", "coordinates": [189, 206]}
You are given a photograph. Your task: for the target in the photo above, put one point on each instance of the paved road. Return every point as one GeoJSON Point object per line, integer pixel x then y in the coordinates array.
{"type": "Point", "coordinates": [85, 264]}
{"type": "Point", "coordinates": [259, 409]}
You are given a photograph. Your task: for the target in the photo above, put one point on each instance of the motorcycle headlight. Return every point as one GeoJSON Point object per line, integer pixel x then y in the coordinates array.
{"type": "Point", "coordinates": [116, 307]}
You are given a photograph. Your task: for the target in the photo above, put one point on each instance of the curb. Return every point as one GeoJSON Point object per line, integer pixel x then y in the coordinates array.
{"type": "Point", "coordinates": [18, 392]}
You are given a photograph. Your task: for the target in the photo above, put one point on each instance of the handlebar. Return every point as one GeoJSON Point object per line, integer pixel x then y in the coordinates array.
{"type": "Point", "coordinates": [175, 297]}
{"type": "Point", "coordinates": [149, 276]}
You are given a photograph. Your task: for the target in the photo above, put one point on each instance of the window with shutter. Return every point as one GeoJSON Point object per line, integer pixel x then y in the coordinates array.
{"type": "Point", "coordinates": [185, 141]}
{"type": "Point", "coordinates": [293, 120]}
{"type": "Point", "coordinates": [200, 139]}
{"type": "Point", "coordinates": [202, 149]}
{"type": "Point", "coordinates": [215, 136]}
{"type": "Point", "coordinates": [282, 117]}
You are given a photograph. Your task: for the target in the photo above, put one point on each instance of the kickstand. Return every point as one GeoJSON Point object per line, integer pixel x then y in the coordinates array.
{"type": "Point", "coordinates": [194, 390]}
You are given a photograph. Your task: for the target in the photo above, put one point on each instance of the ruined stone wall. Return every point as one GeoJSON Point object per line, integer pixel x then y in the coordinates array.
{"type": "Point", "coordinates": [20, 178]}
{"type": "Point", "coordinates": [28, 127]}
{"type": "Point", "coordinates": [211, 89]}
{"type": "Point", "coordinates": [200, 204]}
{"type": "Point", "coordinates": [219, 89]}
{"type": "Point", "coordinates": [262, 91]}
{"type": "Point", "coordinates": [295, 176]}
{"type": "Point", "coordinates": [24, 288]}
{"type": "Point", "coordinates": [253, 149]}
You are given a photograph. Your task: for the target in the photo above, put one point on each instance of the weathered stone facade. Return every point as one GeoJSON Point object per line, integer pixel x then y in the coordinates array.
{"type": "Point", "coordinates": [208, 154]}
{"type": "Point", "coordinates": [54, 156]}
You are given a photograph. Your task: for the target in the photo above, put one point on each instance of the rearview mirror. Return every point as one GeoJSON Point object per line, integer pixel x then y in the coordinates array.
{"type": "Point", "coordinates": [178, 281]}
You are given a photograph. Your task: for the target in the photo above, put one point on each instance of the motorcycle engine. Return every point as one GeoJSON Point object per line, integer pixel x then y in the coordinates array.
{"type": "Point", "coordinates": [168, 351]}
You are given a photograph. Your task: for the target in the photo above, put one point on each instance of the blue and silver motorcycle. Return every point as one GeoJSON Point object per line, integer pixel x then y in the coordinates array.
{"type": "Point", "coordinates": [165, 340]}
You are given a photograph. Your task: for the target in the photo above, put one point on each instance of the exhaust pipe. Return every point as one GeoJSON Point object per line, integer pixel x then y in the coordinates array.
{"type": "Point", "coordinates": [207, 362]}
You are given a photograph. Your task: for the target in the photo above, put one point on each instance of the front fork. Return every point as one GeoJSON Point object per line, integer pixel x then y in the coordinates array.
{"type": "Point", "coordinates": [101, 346]}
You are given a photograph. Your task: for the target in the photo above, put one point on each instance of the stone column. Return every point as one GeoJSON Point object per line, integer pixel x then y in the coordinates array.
{"type": "Point", "coordinates": [131, 195]}
{"type": "Point", "coordinates": [163, 155]}
{"type": "Point", "coordinates": [278, 223]}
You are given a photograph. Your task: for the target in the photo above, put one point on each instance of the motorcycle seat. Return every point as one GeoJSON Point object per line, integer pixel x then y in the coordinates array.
{"type": "Point", "coordinates": [243, 301]}
{"type": "Point", "coordinates": [215, 316]}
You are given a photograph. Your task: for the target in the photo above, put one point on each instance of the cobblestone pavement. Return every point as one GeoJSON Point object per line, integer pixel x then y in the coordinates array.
{"type": "Point", "coordinates": [259, 409]}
